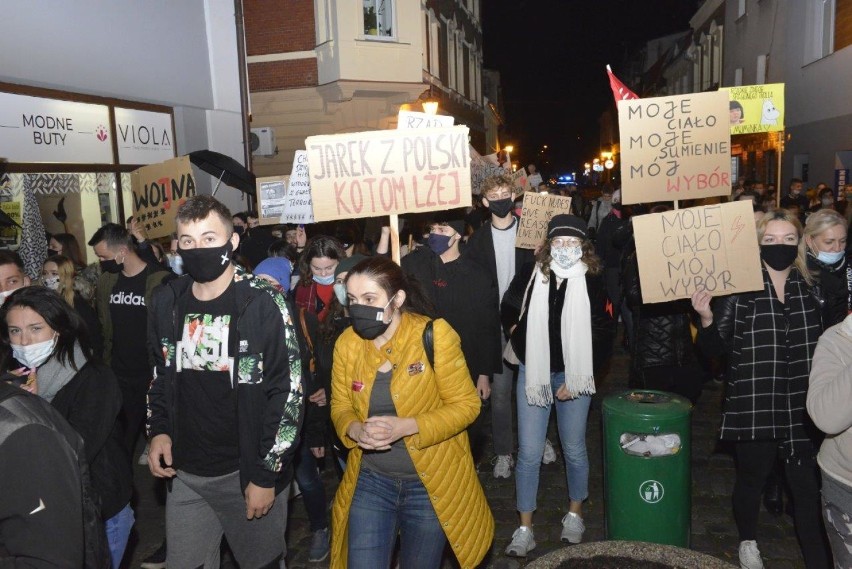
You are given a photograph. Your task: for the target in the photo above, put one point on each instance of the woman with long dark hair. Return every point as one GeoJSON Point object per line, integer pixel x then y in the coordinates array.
{"type": "Point", "coordinates": [316, 274]}
{"type": "Point", "coordinates": [48, 337]}
{"type": "Point", "coordinates": [560, 333]}
{"type": "Point", "coordinates": [402, 409]}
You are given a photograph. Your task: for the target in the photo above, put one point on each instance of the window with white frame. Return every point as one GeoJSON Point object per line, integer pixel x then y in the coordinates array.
{"type": "Point", "coordinates": [451, 54]}
{"type": "Point", "coordinates": [738, 77]}
{"type": "Point", "coordinates": [459, 63]}
{"type": "Point", "coordinates": [434, 50]}
{"type": "Point", "coordinates": [760, 76]}
{"type": "Point", "coordinates": [717, 35]}
{"type": "Point", "coordinates": [379, 18]}
{"type": "Point", "coordinates": [741, 8]}
{"type": "Point", "coordinates": [424, 32]}
{"type": "Point", "coordinates": [819, 29]}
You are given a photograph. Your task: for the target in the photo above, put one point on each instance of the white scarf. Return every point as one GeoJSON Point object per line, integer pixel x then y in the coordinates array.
{"type": "Point", "coordinates": [576, 332]}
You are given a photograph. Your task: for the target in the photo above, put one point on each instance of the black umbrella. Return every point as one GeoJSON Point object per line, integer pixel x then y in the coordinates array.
{"type": "Point", "coordinates": [225, 168]}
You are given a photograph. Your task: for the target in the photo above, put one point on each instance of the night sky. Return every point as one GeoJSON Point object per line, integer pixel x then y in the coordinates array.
{"type": "Point", "coordinates": [552, 54]}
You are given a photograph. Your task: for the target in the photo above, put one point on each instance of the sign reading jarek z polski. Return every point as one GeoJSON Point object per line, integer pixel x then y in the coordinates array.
{"type": "Point", "coordinates": [144, 137]}
{"type": "Point", "coordinates": [36, 129]}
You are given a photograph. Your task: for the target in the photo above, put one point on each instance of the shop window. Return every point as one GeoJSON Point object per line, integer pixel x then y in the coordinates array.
{"type": "Point", "coordinates": [379, 19]}
{"type": "Point", "coordinates": [75, 203]}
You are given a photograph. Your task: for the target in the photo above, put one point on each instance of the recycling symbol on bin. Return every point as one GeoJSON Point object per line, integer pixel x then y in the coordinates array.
{"type": "Point", "coordinates": [651, 491]}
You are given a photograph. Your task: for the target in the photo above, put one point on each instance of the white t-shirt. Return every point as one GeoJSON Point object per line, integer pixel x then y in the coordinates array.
{"type": "Point", "coordinates": [534, 180]}
{"type": "Point", "coordinates": [504, 253]}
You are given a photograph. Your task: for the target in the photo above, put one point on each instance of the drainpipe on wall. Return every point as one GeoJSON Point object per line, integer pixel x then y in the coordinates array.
{"type": "Point", "coordinates": [244, 89]}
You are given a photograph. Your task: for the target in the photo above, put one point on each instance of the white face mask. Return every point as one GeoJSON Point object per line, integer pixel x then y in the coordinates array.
{"type": "Point", "coordinates": [51, 282]}
{"type": "Point", "coordinates": [566, 257]}
{"type": "Point", "coordinates": [4, 295]}
{"type": "Point", "coordinates": [33, 355]}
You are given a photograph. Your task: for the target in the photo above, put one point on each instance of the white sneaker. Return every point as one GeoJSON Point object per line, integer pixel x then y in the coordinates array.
{"type": "Point", "coordinates": [549, 456]}
{"type": "Point", "coordinates": [750, 555]}
{"type": "Point", "coordinates": [503, 466]}
{"type": "Point", "coordinates": [522, 542]}
{"type": "Point", "coordinates": [572, 528]}
{"type": "Point", "coordinates": [143, 458]}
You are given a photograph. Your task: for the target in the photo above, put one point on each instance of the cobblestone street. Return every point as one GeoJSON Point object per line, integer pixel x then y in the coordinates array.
{"type": "Point", "coordinates": [713, 529]}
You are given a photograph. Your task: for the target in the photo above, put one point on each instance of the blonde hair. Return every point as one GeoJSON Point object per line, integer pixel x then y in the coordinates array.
{"type": "Point", "coordinates": [801, 262]}
{"type": "Point", "coordinates": [66, 270]}
{"type": "Point", "coordinates": [820, 221]}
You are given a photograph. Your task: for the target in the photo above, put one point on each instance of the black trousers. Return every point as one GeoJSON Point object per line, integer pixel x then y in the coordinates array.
{"type": "Point", "coordinates": [134, 392]}
{"type": "Point", "coordinates": [755, 460]}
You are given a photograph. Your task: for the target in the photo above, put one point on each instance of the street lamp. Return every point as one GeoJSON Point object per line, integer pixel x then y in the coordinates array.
{"type": "Point", "coordinates": [509, 148]}
{"type": "Point", "coordinates": [430, 106]}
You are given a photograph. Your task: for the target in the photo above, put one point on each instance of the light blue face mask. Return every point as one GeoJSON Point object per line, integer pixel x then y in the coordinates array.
{"type": "Point", "coordinates": [829, 258]}
{"type": "Point", "coordinates": [324, 280]}
{"type": "Point", "coordinates": [340, 292]}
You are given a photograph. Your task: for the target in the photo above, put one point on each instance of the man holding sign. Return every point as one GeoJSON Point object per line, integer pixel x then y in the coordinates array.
{"type": "Point", "coordinates": [492, 246]}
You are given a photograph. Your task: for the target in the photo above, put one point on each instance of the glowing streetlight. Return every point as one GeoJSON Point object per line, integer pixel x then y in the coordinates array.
{"type": "Point", "coordinates": [509, 148]}
{"type": "Point", "coordinates": [430, 106]}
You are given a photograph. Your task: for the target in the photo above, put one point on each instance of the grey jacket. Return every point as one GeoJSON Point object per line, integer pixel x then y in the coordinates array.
{"type": "Point", "coordinates": [829, 394]}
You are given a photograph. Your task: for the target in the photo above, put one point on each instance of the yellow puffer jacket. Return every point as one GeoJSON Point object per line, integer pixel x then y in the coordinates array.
{"type": "Point", "coordinates": [443, 402]}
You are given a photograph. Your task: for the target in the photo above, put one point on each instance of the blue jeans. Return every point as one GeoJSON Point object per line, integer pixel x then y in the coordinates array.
{"type": "Point", "coordinates": [118, 532]}
{"type": "Point", "coordinates": [313, 492]}
{"type": "Point", "coordinates": [571, 419]}
{"type": "Point", "coordinates": [383, 507]}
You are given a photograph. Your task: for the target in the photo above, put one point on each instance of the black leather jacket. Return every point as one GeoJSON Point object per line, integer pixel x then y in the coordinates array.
{"type": "Point", "coordinates": [662, 334]}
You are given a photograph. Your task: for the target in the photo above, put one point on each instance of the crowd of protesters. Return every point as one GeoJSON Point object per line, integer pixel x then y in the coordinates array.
{"type": "Point", "coordinates": [252, 354]}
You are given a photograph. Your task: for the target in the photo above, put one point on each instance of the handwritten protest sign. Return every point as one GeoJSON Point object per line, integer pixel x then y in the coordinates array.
{"type": "Point", "coordinates": [271, 197]}
{"type": "Point", "coordinates": [536, 214]}
{"type": "Point", "coordinates": [299, 207]}
{"type": "Point", "coordinates": [711, 248]}
{"type": "Point", "coordinates": [520, 179]}
{"type": "Point", "coordinates": [387, 172]}
{"type": "Point", "coordinates": [411, 119]}
{"type": "Point", "coordinates": [158, 191]}
{"type": "Point", "coordinates": [675, 148]}
{"type": "Point", "coordinates": [756, 108]}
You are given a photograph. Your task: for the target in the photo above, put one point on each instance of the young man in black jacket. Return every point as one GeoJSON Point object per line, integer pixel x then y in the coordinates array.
{"type": "Point", "coordinates": [225, 406]}
{"type": "Point", "coordinates": [464, 295]}
{"type": "Point", "coordinates": [492, 247]}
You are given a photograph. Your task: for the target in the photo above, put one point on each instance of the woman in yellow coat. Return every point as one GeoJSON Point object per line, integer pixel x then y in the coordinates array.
{"type": "Point", "coordinates": [410, 471]}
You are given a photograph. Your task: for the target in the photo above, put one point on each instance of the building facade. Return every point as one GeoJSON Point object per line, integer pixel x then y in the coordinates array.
{"type": "Point", "coordinates": [325, 67]}
{"type": "Point", "coordinates": [100, 90]}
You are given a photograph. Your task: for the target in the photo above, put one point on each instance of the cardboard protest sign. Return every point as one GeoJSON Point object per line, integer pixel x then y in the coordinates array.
{"type": "Point", "coordinates": [713, 248]}
{"type": "Point", "coordinates": [536, 214]}
{"type": "Point", "coordinates": [298, 207]}
{"type": "Point", "coordinates": [480, 170]}
{"type": "Point", "coordinates": [411, 119]}
{"type": "Point", "coordinates": [385, 172]}
{"type": "Point", "coordinates": [520, 179]}
{"type": "Point", "coordinates": [271, 196]}
{"type": "Point", "coordinates": [756, 108]}
{"type": "Point", "coordinates": [158, 190]}
{"type": "Point", "coordinates": [675, 148]}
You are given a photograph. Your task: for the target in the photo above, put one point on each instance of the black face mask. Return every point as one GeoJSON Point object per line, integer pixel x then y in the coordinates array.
{"type": "Point", "coordinates": [368, 321]}
{"type": "Point", "coordinates": [111, 266]}
{"type": "Point", "coordinates": [239, 230]}
{"type": "Point", "coordinates": [501, 208]}
{"type": "Point", "coordinates": [206, 264]}
{"type": "Point", "coordinates": [779, 257]}
{"type": "Point", "coordinates": [52, 252]}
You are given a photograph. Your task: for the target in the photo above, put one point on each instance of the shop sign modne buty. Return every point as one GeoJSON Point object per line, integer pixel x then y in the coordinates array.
{"type": "Point", "coordinates": [37, 129]}
{"type": "Point", "coordinates": [144, 137]}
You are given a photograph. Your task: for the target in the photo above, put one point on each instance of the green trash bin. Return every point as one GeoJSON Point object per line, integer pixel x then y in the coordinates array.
{"type": "Point", "coordinates": [647, 479]}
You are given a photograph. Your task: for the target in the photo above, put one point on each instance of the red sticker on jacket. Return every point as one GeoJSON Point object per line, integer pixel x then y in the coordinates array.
{"type": "Point", "coordinates": [357, 386]}
{"type": "Point", "coordinates": [416, 368]}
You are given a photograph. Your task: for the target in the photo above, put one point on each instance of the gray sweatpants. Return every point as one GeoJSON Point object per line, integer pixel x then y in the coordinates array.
{"type": "Point", "coordinates": [199, 509]}
{"type": "Point", "coordinates": [502, 387]}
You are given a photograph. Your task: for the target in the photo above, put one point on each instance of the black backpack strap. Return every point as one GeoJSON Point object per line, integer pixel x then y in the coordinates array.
{"type": "Point", "coordinates": [429, 344]}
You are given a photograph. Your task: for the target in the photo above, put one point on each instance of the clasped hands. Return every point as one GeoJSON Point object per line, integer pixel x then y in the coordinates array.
{"type": "Point", "coordinates": [380, 432]}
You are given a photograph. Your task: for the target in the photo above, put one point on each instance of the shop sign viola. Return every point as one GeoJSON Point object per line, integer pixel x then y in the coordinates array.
{"type": "Point", "coordinates": [144, 137]}
{"type": "Point", "coordinates": [36, 129]}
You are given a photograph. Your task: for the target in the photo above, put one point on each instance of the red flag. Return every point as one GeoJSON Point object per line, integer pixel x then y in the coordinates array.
{"type": "Point", "coordinates": [619, 89]}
